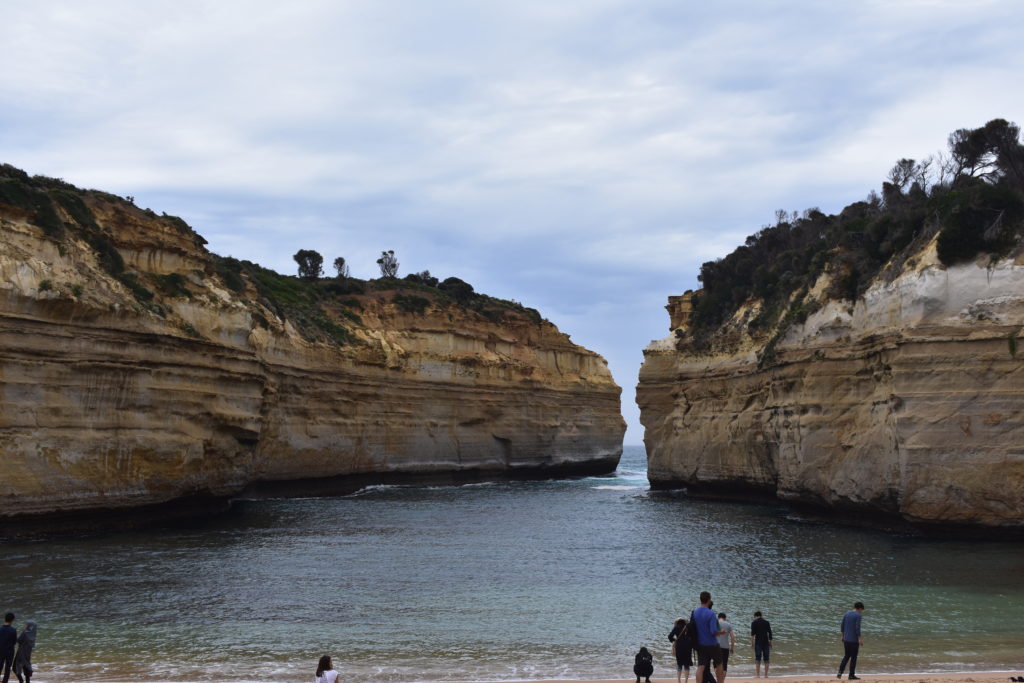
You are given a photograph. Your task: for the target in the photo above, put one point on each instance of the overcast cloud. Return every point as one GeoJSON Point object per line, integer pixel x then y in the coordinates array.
{"type": "Point", "coordinates": [581, 157]}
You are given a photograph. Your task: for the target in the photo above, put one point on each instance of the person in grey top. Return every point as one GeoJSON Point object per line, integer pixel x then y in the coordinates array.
{"type": "Point", "coordinates": [852, 640]}
{"type": "Point", "coordinates": [726, 641]}
{"type": "Point", "coordinates": [23, 660]}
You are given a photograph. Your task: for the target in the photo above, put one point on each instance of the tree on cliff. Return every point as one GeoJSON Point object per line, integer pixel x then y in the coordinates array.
{"type": "Point", "coordinates": [341, 267]}
{"type": "Point", "coordinates": [992, 152]}
{"type": "Point", "coordinates": [388, 264]}
{"type": "Point", "coordinates": [311, 264]}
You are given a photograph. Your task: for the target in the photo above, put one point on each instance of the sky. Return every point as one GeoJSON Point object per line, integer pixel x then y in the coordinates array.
{"type": "Point", "coordinates": [583, 158]}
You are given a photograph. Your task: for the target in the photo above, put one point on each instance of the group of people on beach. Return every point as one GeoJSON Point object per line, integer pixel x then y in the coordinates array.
{"type": "Point", "coordinates": [709, 634]}
{"type": "Point", "coordinates": [21, 659]}
{"type": "Point", "coordinates": [713, 638]}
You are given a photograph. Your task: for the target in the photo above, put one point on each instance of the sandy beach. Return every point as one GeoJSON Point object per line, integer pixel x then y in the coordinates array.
{"type": "Point", "coordinates": [969, 677]}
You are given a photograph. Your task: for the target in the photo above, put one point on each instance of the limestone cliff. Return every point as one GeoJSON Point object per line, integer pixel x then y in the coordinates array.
{"type": "Point", "coordinates": [906, 403]}
{"type": "Point", "coordinates": [138, 369]}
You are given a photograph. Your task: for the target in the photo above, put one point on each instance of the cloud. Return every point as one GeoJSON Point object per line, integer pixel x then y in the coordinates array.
{"type": "Point", "coordinates": [582, 157]}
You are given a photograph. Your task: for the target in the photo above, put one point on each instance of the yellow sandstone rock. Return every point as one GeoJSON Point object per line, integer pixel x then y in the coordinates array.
{"type": "Point", "coordinates": [112, 402]}
{"type": "Point", "coordinates": [908, 404]}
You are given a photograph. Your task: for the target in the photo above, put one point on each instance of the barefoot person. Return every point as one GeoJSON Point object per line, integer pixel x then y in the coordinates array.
{"type": "Point", "coordinates": [850, 630]}
{"type": "Point", "coordinates": [726, 643]}
{"type": "Point", "coordinates": [23, 659]}
{"type": "Point", "coordinates": [682, 648]}
{"type": "Point", "coordinates": [708, 652]}
{"type": "Point", "coordinates": [325, 672]}
{"type": "Point", "coordinates": [761, 640]}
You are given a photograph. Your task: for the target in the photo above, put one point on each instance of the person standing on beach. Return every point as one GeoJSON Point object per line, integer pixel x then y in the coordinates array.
{"type": "Point", "coordinates": [23, 660]}
{"type": "Point", "coordinates": [682, 648]}
{"type": "Point", "coordinates": [8, 638]}
{"type": "Point", "coordinates": [852, 640]}
{"type": "Point", "coordinates": [726, 643]}
{"type": "Point", "coordinates": [325, 672]}
{"type": "Point", "coordinates": [761, 639]}
{"type": "Point", "coordinates": [708, 651]}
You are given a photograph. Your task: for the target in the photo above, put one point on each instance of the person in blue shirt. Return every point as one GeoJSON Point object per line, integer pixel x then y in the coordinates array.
{"type": "Point", "coordinates": [852, 640]}
{"type": "Point", "coordinates": [708, 631]}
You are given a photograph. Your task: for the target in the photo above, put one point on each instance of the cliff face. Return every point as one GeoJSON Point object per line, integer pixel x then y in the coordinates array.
{"type": "Point", "coordinates": [163, 382]}
{"type": "Point", "coordinates": [908, 403]}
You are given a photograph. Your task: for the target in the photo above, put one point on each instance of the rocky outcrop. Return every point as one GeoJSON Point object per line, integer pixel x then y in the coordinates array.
{"type": "Point", "coordinates": [166, 382]}
{"type": "Point", "coordinates": [908, 404]}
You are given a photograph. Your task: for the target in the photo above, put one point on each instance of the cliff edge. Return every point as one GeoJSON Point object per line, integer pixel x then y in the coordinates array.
{"type": "Point", "coordinates": [895, 395]}
{"type": "Point", "coordinates": [140, 370]}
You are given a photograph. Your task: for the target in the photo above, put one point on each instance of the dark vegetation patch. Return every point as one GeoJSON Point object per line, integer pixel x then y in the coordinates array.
{"type": "Point", "coordinates": [172, 284]}
{"type": "Point", "coordinates": [190, 330]}
{"type": "Point", "coordinates": [140, 291]}
{"type": "Point", "coordinates": [411, 303]}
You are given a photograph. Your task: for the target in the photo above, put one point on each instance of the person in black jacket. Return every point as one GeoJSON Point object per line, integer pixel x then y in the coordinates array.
{"type": "Point", "coordinates": [8, 639]}
{"type": "Point", "coordinates": [761, 638]}
{"type": "Point", "coordinates": [643, 665]}
{"type": "Point", "coordinates": [682, 648]}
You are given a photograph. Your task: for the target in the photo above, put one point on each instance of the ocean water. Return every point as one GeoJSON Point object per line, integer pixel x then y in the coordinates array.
{"type": "Point", "coordinates": [499, 581]}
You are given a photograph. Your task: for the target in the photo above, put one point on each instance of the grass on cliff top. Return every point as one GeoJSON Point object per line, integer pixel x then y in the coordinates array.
{"type": "Point", "coordinates": [320, 308]}
{"type": "Point", "coordinates": [973, 200]}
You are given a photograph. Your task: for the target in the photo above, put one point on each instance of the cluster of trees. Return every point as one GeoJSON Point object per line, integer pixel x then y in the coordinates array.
{"type": "Point", "coordinates": [972, 195]}
{"type": "Point", "coordinates": [310, 264]}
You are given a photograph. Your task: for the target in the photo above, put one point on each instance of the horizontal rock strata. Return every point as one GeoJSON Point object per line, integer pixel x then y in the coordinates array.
{"type": "Point", "coordinates": [110, 402]}
{"type": "Point", "coordinates": [907, 405]}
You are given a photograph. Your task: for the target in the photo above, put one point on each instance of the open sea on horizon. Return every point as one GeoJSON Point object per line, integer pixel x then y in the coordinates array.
{"type": "Point", "coordinates": [498, 581]}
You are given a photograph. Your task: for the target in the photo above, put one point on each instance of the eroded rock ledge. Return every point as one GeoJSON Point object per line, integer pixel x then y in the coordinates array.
{"type": "Point", "coordinates": [111, 402]}
{"type": "Point", "coordinates": [907, 405]}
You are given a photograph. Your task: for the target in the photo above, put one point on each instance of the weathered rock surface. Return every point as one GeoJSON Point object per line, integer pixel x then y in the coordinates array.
{"type": "Point", "coordinates": [108, 401]}
{"type": "Point", "coordinates": [909, 404]}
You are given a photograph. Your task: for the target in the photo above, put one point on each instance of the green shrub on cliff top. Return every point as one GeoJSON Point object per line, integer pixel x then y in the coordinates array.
{"type": "Point", "coordinates": [23, 195]}
{"type": "Point", "coordinates": [974, 201]}
{"type": "Point", "coordinates": [980, 218]}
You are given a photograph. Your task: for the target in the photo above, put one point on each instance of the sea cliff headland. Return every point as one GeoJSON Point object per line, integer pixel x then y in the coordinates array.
{"type": "Point", "coordinates": [864, 364]}
{"type": "Point", "coordinates": [142, 372]}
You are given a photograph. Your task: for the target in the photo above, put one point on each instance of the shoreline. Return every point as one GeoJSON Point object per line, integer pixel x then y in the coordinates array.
{"type": "Point", "coordinates": [926, 677]}
{"type": "Point", "coordinates": [944, 677]}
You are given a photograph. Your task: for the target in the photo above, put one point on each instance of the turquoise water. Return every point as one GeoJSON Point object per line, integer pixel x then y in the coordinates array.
{"type": "Point", "coordinates": [525, 580]}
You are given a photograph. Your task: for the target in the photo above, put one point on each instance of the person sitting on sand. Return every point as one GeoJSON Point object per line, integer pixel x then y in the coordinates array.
{"type": "Point", "coordinates": [325, 672]}
{"type": "Point", "coordinates": [643, 665]}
